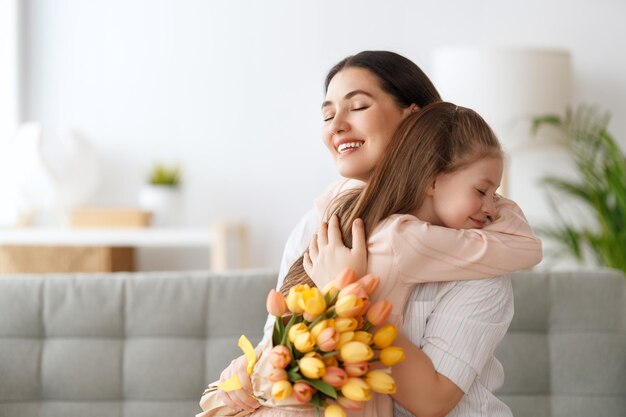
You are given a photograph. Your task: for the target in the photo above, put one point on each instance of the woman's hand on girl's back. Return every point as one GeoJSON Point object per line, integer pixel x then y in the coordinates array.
{"type": "Point", "coordinates": [240, 399]}
{"type": "Point", "coordinates": [328, 256]}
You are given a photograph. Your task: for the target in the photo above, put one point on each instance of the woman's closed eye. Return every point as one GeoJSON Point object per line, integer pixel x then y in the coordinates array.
{"type": "Point", "coordinates": [481, 192]}
{"type": "Point", "coordinates": [328, 117]}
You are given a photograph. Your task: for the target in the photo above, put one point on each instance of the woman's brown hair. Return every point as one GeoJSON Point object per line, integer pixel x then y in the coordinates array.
{"type": "Point", "coordinates": [439, 139]}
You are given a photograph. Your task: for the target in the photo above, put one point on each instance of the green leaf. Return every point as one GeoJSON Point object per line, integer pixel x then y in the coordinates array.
{"type": "Point", "coordinates": [600, 187]}
{"type": "Point", "coordinates": [322, 387]}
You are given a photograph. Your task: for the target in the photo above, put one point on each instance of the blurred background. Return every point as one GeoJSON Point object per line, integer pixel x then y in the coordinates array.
{"type": "Point", "coordinates": [230, 92]}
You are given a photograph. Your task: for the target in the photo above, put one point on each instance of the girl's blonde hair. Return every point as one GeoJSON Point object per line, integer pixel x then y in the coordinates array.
{"type": "Point", "coordinates": [441, 138]}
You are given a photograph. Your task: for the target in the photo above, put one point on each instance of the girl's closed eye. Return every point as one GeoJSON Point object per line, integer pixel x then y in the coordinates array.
{"type": "Point", "coordinates": [481, 192]}
{"type": "Point", "coordinates": [328, 117]}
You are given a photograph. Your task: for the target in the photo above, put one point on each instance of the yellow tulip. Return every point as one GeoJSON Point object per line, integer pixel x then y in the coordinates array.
{"type": "Point", "coordinates": [348, 306]}
{"type": "Point", "coordinates": [296, 330]}
{"type": "Point", "coordinates": [344, 338]}
{"type": "Point", "coordinates": [324, 324]}
{"type": "Point", "coordinates": [282, 390]}
{"type": "Point", "coordinates": [381, 382]}
{"type": "Point", "coordinates": [354, 351]}
{"type": "Point", "coordinates": [363, 336]}
{"type": "Point", "coordinates": [391, 355]}
{"type": "Point", "coordinates": [334, 410]}
{"type": "Point", "coordinates": [294, 296]}
{"type": "Point", "coordinates": [330, 289]}
{"type": "Point", "coordinates": [312, 301]}
{"type": "Point", "coordinates": [304, 342]}
{"type": "Point", "coordinates": [312, 368]}
{"type": "Point", "coordinates": [385, 336]}
{"type": "Point", "coordinates": [356, 389]}
{"type": "Point", "coordinates": [346, 324]}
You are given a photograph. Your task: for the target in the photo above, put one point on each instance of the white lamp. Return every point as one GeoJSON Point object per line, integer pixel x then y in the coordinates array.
{"type": "Point", "coordinates": [508, 86]}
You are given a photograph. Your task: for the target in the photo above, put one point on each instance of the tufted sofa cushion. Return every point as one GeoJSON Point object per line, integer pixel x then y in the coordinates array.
{"type": "Point", "coordinates": [133, 345]}
{"type": "Point", "coordinates": [565, 351]}
{"type": "Point", "coordinates": [121, 344]}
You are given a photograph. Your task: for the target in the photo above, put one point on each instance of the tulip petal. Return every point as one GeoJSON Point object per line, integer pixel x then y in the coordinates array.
{"type": "Point", "coordinates": [231, 384]}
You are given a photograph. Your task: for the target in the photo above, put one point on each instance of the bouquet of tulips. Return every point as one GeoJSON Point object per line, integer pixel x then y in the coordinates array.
{"type": "Point", "coordinates": [324, 342]}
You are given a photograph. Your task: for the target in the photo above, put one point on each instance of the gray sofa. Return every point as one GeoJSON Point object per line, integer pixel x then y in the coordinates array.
{"type": "Point", "coordinates": [147, 344]}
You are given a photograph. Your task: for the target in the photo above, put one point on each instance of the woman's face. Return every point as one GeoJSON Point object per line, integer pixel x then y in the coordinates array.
{"type": "Point", "coordinates": [359, 121]}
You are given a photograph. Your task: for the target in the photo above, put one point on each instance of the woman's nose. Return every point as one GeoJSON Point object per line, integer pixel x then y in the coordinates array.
{"type": "Point", "coordinates": [339, 124]}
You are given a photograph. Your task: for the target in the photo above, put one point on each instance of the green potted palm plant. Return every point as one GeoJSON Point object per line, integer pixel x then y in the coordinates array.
{"type": "Point", "coordinates": [599, 190]}
{"type": "Point", "coordinates": [161, 194]}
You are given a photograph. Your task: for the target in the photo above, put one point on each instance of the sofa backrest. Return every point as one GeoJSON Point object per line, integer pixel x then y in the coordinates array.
{"type": "Point", "coordinates": [147, 344]}
{"type": "Point", "coordinates": [122, 344]}
{"type": "Point", "coordinates": [565, 351]}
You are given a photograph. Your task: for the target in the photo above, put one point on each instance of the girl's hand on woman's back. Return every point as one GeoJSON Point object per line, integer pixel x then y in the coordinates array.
{"type": "Point", "coordinates": [328, 256]}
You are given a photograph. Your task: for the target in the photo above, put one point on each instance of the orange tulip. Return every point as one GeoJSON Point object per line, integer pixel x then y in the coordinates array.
{"type": "Point", "coordinates": [355, 288]}
{"type": "Point", "coordinates": [370, 283]}
{"type": "Point", "coordinates": [335, 376]}
{"type": "Point", "coordinates": [345, 278]}
{"type": "Point", "coordinates": [276, 303]}
{"type": "Point", "coordinates": [379, 312]}
{"type": "Point", "coordinates": [277, 374]}
{"type": "Point", "coordinates": [303, 392]}
{"type": "Point", "coordinates": [324, 324]}
{"type": "Point", "coordinates": [357, 368]}
{"type": "Point", "coordinates": [328, 339]}
{"type": "Point", "coordinates": [280, 356]}
{"type": "Point", "coordinates": [350, 404]}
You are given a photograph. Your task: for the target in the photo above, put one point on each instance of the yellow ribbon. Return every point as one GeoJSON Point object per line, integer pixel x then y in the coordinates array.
{"type": "Point", "coordinates": [234, 383]}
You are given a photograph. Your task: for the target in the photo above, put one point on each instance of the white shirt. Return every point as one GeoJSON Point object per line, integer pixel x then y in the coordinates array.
{"type": "Point", "coordinates": [457, 324]}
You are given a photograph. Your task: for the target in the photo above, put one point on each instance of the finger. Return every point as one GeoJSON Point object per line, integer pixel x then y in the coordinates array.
{"type": "Point", "coordinates": [244, 400]}
{"type": "Point", "coordinates": [359, 244]}
{"type": "Point", "coordinates": [313, 248]}
{"type": "Point", "coordinates": [334, 233]}
{"type": "Point", "coordinates": [322, 234]}
{"type": "Point", "coordinates": [307, 264]}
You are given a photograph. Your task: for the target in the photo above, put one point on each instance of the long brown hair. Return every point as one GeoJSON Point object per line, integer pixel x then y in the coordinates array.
{"type": "Point", "coordinates": [439, 139]}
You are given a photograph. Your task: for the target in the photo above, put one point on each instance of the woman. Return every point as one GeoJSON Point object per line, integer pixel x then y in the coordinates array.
{"type": "Point", "coordinates": [368, 96]}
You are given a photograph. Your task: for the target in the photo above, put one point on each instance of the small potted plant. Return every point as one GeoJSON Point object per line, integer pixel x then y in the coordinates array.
{"type": "Point", "coordinates": [161, 194]}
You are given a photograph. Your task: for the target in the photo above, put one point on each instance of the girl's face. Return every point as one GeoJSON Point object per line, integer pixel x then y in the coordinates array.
{"type": "Point", "coordinates": [359, 121]}
{"type": "Point", "coordinates": [464, 199]}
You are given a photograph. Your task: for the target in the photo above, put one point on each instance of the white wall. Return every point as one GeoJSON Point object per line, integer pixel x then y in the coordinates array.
{"type": "Point", "coordinates": [232, 88]}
